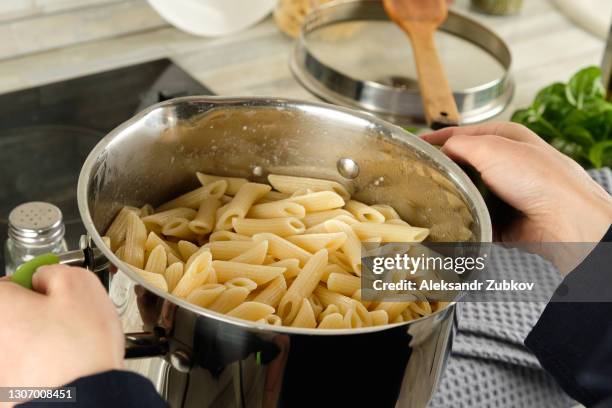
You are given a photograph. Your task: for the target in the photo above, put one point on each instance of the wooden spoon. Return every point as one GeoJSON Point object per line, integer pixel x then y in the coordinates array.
{"type": "Point", "coordinates": [420, 19]}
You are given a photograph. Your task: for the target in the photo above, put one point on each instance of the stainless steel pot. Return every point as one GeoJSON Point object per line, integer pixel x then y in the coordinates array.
{"type": "Point", "coordinates": [221, 361]}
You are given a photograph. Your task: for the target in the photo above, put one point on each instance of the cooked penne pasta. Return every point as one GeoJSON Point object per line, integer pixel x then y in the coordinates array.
{"type": "Point", "coordinates": [271, 319]}
{"type": "Point", "coordinates": [255, 256]}
{"type": "Point", "coordinates": [146, 209]}
{"type": "Point", "coordinates": [318, 201]}
{"type": "Point", "coordinates": [154, 279]}
{"type": "Point", "coordinates": [291, 265]}
{"type": "Point", "coordinates": [315, 218]}
{"type": "Point", "coordinates": [195, 275]}
{"type": "Point", "coordinates": [390, 232]}
{"type": "Point", "coordinates": [226, 250]}
{"type": "Point", "coordinates": [204, 295]}
{"type": "Point", "coordinates": [280, 248]}
{"type": "Point", "coordinates": [260, 274]}
{"type": "Point", "coordinates": [186, 249]}
{"type": "Point", "coordinates": [332, 321]}
{"type": "Point", "coordinates": [280, 226]}
{"type": "Point", "coordinates": [227, 236]}
{"type": "Point", "coordinates": [327, 297]}
{"type": "Point", "coordinates": [303, 286]}
{"type": "Point", "coordinates": [393, 309]}
{"type": "Point", "coordinates": [229, 299]}
{"type": "Point", "coordinates": [332, 268]}
{"type": "Point", "coordinates": [305, 316]}
{"type": "Point", "coordinates": [252, 311]}
{"type": "Point", "coordinates": [351, 246]}
{"type": "Point", "coordinates": [116, 231]}
{"type": "Point", "coordinates": [194, 198]}
{"type": "Point", "coordinates": [317, 306]}
{"type": "Point", "coordinates": [173, 275]}
{"type": "Point", "coordinates": [330, 309]}
{"type": "Point", "coordinates": [241, 204]}
{"type": "Point", "coordinates": [273, 292]}
{"type": "Point", "coordinates": [387, 211]}
{"type": "Point", "coordinates": [157, 260]}
{"type": "Point", "coordinates": [273, 196]}
{"type": "Point", "coordinates": [153, 240]}
{"type": "Point", "coordinates": [179, 228]}
{"type": "Point", "coordinates": [291, 184]}
{"type": "Point", "coordinates": [343, 283]}
{"type": "Point", "coordinates": [379, 317]}
{"type": "Point", "coordinates": [162, 218]}
{"type": "Point", "coordinates": [233, 183]}
{"type": "Point", "coordinates": [314, 242]}
{"type": "Point", "coordinates": [241, 283]}
{"type": "Point", "coordinates": [204, 221]}
{"type": "Point", "coordinates": [277, 209]}
{"type": "Point", "coordinates": [135, 238]}
{"type": "Point", "coordinates": [363, 212]}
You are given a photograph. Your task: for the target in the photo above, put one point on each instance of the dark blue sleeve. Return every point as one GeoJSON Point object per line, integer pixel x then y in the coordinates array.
{"type": "Point", "coordinates": [115, 389]}
{"type": "Point", "coordinates": [573, 340]}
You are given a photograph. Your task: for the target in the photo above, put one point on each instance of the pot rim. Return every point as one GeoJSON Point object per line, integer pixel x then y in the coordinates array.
{"type": "Point", "coordinates": [453, 170]}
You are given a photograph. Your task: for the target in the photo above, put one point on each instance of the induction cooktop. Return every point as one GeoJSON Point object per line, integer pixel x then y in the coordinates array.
{"type": "Point", "coordinates": [46, 132]}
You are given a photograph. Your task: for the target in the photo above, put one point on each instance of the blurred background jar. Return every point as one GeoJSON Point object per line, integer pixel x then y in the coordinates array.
{"type": "Point", "coordinates": [498, 7]}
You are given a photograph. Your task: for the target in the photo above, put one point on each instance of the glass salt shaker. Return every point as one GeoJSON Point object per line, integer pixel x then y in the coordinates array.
{"type": "Point", "coordinates": [34, 228]}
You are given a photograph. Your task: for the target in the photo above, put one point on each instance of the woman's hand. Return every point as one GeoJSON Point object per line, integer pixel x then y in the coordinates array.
{"type": "Point", "coordinates": [64, 329]}
{"type": "Point", "coordinates": [557, 200]}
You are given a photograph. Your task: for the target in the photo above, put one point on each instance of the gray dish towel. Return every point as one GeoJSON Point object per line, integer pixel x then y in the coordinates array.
{"type": "Point", "coordinates": [489, 365]}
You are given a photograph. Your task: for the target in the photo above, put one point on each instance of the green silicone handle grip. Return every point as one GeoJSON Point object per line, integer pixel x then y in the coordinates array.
{"type": "Point", "coordinates": [23, 274]}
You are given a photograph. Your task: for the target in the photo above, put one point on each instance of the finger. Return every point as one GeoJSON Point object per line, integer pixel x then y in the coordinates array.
{"type": "Point", "coordinates": [508, 130]}
{"type": "Point", "coordinates": [50, 279]}
{"type": "Point", "coordinates": [11, 293]}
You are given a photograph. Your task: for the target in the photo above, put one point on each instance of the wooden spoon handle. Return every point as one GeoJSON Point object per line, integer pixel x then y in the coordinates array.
{"type": "Point", "coordinates": [438, 101]}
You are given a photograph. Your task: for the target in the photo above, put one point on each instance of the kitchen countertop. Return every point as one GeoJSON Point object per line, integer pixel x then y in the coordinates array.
{"type": "Point", "coordinates": [545, 45]}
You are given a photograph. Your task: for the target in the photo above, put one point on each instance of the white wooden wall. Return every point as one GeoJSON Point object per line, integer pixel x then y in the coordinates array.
{"type": "Point", "coordinates": [30, 26]}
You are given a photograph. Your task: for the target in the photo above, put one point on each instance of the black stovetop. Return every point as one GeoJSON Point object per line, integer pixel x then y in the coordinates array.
{"type": "Point", "coordinates": [46, 132]}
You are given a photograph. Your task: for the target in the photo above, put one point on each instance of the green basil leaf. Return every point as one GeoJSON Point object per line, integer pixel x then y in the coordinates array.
{"type": "Point", "coordinates": [599, 152]}
{"type": "Point", "coordinates": [579, 135]}
{"type": "Point", "coordinates": [584, 86]}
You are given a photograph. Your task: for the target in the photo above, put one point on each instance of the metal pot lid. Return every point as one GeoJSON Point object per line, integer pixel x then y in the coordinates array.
{"type": "Point", "coordinates": [349, 53]}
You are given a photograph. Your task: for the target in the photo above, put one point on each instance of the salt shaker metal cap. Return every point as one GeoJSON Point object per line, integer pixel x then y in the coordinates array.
{"type": "Point", "coordinates": [36, 224]}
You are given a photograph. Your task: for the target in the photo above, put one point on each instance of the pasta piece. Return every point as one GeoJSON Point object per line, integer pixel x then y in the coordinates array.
{"type": "Point", "coordinates": [241, 283]}
{"type": "Point", "coordinates": [146, 209]}
{"type": "Point", "coordinates": [273, 196]}
{"type": "Point", "coordinates": [280, 226]}
{"type": "Point", "coordinates": [291, 265]}
{"type": "Point", "coordinates": [153, 240]}
{"type": "Point", "coordinates": [302, 287]}
{"type": "Point", "coordinates": [318, 201]}
{"type": "Point", "coordinates": [194, 198]}
{"type": "Point", "coordinates": [155, 279]}
{"type": "Point", "coordinates": [357, 296]}
{"type": "Point", "coordinates": [241, 204]}
{"type": "Point", "coordinates": [338, 258]}
{"type": "Point", "coordinates": [116, 231]}
{"type": "Point", "coordinates": [291, 184]}
{"type": "Point", "coordinates": [173, 275]}
{"type": "Point", "coordinates": [255, 256]}
{"type": "Point", "coordinates": [390, 232]}
{"type": "Point", "coordinates": [227, 236]}
{"type": "Point", "coordinates": [398, 319]}
{"type": "Point", "coordinates": [107, 241]}
{"type": "Point", "coordinates": [260, 274]}
{"type": "Point", "coordinates": [332, 321]}
{"type": "Point", "coordinates": [204, 221]}
{"type": "Point", "coordinates": [396, 222]}
{"type": "Point", "coordinates": [314, 242]}
{"type": "Point", "coordinates": [351, 246]}
{"type": "Point", "coordinates": [226, 250]}
{"type": "Point", "coordinates": [330, 309]}
{"type": "Point", "coordinates": [362, 314]}
{"type": "Point", "coordinates": [315, 218]}
{"type": "Point", "coordinates": [277, 209]}
{"type": "Point", "coordinates": [135, 238]}
{"type": "Point", "coordinates": [186, 249]}
{"type": "Point", "coordinates": [393, 309]}
{"type": "Point", "coordinates": [351, 320]}
{"type": "Point", "coordinates": [194, 256]}
{"type": "Point", "coordinates": [343, 283]}
{"type": "Point", "coordinates": [204, 295]}
{"type": "Point", "coordinates": [379, 318]}
{"type": "Point", "coordinates": [252, 311]}
{"type": "Point", "coordinates": [280, 248]}
{"type": "Point", "coordinates": [387, 211]}
{"type": "Point", "coordinates": [327, 297]}
{"type": "Point", "coordinates": [233, 183]}
{"type": "Point", "coordinates": [179, 228]}
{"type": "Point", "coordinates": [364, 212]}
{"type": "Point", "coordinates": [305, 316]}
{"type": "Point", "coordinates": [229, 299]}
{"type": "Point", "coordinates": [195, 275]}
{"type": "Point", "coordinates": [157, 260]}
{"type": "Point", "coordinates": [273, 292]}
{"type": "Point", "coordinates": [271, 319]}
{"type": "Point", "coordinates": [162, 218]}
{"type": "Point", "coordinates": [332, 268]}
{"type": "Point", "coordinates": [421, 308]}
